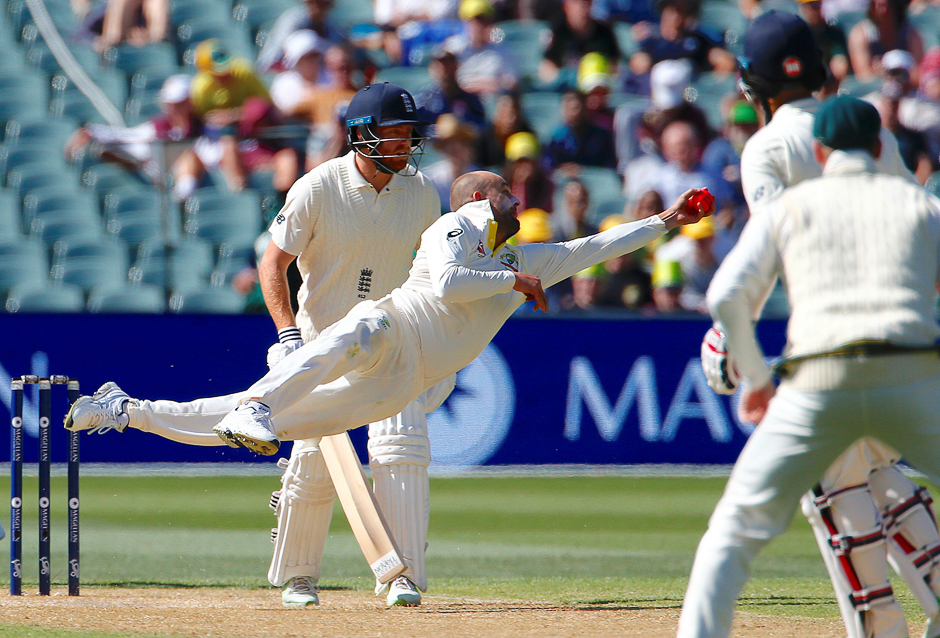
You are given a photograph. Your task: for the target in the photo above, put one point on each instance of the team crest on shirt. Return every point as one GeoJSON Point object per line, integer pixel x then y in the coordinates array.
{"type": "Point", "coordinates": [509, 260]}
{"type": "Point", "coordinates": [481, 250]}
{"type": "Point", "coordinates": [280, 218]}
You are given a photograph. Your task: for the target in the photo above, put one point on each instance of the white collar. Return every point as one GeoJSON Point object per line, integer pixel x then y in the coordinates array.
{"type": "Point", "coordinates": [356, 179]}
{"type": "Point", "coordinates": [851, 161]}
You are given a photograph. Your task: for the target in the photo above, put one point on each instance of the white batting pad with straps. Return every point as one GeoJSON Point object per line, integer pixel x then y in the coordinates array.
{"type": "Point", "coordinates": [911, 530]}
{"type": "Point", "coordinates": [304, 508]}
{"type": "Point", "coordinates": [850, 533]}
{"type": "Point", "coordinates": [399, 453]}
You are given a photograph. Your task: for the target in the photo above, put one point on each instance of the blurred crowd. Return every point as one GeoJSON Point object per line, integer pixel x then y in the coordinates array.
{"type": "Point", "coordinates": [607, 118]}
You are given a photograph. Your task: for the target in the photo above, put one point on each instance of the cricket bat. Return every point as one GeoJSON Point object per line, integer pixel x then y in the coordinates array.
{"type": "Point", "coordinates": [364, 517]}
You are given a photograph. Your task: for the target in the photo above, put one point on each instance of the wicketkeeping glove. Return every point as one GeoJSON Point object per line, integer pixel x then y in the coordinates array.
{"type": "Point", "coordinates": [289, 339]}
{"type": "Point", "coordinates": [717, 364]}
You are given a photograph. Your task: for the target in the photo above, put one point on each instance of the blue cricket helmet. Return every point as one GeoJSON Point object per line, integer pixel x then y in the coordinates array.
{"type": "Point", "coordinates": [381, 105]}
{"type": "Point", "coordinates": [780, 53]}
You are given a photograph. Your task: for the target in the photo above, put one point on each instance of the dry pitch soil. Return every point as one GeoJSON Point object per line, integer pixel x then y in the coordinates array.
{"type": "Point", "coordinates": [240, 613]}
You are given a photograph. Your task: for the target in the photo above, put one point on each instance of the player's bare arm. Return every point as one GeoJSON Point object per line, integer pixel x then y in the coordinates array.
{"type": "Point", "coordinates": [272, 275]}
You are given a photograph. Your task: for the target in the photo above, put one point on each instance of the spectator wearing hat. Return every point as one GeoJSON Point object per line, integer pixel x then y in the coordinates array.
{"type": "Point", "coordinates": [885, 27]}
{"type": "Point", "coordinates": [523, 171]}
{"type": "Point", "coordinates": [312, 15]}
{"type": "Point", "coordinates": [132, 147]}
{"type": "Point", "coordinates": [486, 67]}
{"type": "Point", "coordinates": [237, 108]}
{"type": "Point", "coordinates": [666, 281]}
{"type": "Point", "coordinates": [692, 251]}
{"type": "Point", "coordinates": [445, 95]}
{"type": "Point", "coordinates": [455, 140]}
{"type": "Point", "coordinates": [507, 119]}
{"type": "Point", "coordinates": [638, 127]}
{"type": "Point", "coordinates": [576, 141]}
{"type": "Point", "coordinates": [574, 35]}
{"type": "Point", "coordinates": [912, 144]}
{"type": "Point", "coordinates": [679, 37]}
{"type": "Point", "coordinates": [595, 81]}
{"type": "Point", "coordinates": [293, 91]}
{"type": "Point", "coordinates": [914, 121]}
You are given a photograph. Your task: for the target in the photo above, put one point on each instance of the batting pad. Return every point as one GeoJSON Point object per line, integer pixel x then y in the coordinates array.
{"type": "Point", "coordinates": [911, 530]}
{"type": "Point", "coordinates": [304, 510]}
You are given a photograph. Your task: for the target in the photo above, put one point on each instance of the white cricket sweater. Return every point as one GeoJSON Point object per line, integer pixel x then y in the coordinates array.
{"type": "Point", "coordinates": [459, 291]}
{"type": "Point", "coordinates": [352, 243]}
{"type": "Point", "coordinates": [860, 252]}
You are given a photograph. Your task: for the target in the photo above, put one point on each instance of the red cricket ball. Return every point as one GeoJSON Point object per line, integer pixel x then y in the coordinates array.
{"type": "Point", "coordinates": [703, 200]}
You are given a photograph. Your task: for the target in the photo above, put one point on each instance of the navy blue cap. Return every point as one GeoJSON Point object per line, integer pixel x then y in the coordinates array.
{"type": "Point", "coordinates": [846, 122]}
{"type": "Point", "coordinates": [780, 48]}
{"type": "Point", "coordinates": [383, 105]}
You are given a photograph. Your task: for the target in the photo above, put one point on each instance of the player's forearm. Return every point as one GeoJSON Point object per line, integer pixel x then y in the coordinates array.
{"type": "Point", "coordinates": [276, 292]}
{"type": "Point", "coordinates": [460, 284]}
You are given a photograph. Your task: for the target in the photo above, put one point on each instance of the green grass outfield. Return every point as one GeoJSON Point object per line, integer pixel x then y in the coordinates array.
{"type": "Point", "coordinates": [584, 539]}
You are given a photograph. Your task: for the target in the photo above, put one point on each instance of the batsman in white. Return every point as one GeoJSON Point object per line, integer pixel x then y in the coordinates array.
{"type": "Point", "coordinates": [861, 359]}
{"type": "Point", "coordinates": [353, 224]}
{"type": "Point", "coordinates": [466, 281]}
{"type": "Point", "coordinates": [863, 501]}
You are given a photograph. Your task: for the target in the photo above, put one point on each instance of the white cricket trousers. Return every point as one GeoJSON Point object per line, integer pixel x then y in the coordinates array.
{"type": "Point", "coordinates": [362, 369]}
{"type": "Point", "coordinates": [895, 399]}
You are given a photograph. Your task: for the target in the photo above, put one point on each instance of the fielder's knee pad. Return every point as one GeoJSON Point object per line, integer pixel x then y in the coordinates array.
{"type": "Point", "coordinates": [304, 507]}
{"type": "Point", "coordinates": [399, 455]}
{"type": "Point", "coordinates": [911, 530]}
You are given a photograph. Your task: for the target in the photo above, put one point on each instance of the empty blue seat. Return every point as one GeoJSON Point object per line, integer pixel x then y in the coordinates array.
{"type": "Point", "coordinates": [219, 217]}
{"type": "Point", "coordinates": [41, 130]}
{"type": "Point", "coordinates": [31, 177]}
{"type": "Point", "coordinates": [543, 110]}
{"type": "Point", "coordinates": [15, 154]}
{"type": "Point", "coordinates": [22, 261]}
{"type": "Point", "coordinates": [64, 197]}
{"type": "Point", "coordinates": [211, 300]}
{"type": "Point", "coordinates": [89, 262]}
{"type": "Point", "coordinates": [130, 59]}
{"type": "Point", "coordinates": [103, 178]}
{"type": "Point", "coordinates": [10, 226]}
{"type": "Point", "coordinates": [179, 266]}
{"type": "Point", "coordinates": [127, 299]}
{"type": "Point", "coordinates": [45, 298]}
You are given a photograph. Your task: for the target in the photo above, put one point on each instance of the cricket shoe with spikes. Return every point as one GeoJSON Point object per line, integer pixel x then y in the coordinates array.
{"type": "Point", "coordinates": [105, 410]}
{"type": "Point", "coordinates": [249, 425]}
{"type": "Point", "coordinates": [300, 591]}
{"type": "Point", "coordinates": [403, 593]}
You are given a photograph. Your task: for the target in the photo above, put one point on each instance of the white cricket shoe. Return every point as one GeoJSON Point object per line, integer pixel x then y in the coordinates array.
{"type": "Point", "coordinates": [300, 591]}
{"type": "Point", "coordinates": [105, 410]}
{"type": "Point", "coordinates": [249, 425]}
{"type": "Point", "coordinates": [933, 626]}
{"type": "Point", "coordinates": [403, 593]}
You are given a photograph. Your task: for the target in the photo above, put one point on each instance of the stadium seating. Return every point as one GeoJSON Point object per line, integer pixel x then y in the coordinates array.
{"type": "Point", "coordinates": [22, 262]}
{"type": "Point", "coordinates": [219, 217]}
{"type": "Point", "coordinates": [10, 226]}
{"type": "Point", "coordinates": [127, 299]}
{"type": "Point", "coordinates": [209, 300]}
{"type": "Point", "coordinates": [89, 262]}
{"type": "Point", "coordinates": [45, 298]}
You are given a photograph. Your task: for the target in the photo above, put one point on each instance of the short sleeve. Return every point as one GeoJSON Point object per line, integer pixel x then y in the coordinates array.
{"type": "Point", "coordinates": [293, 227]}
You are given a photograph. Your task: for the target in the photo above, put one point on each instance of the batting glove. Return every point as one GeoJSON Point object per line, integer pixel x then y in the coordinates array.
{"type": "Point", "coordinates": [717, 364]}
{"type": "Point", "coordinates": [289, 339]}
